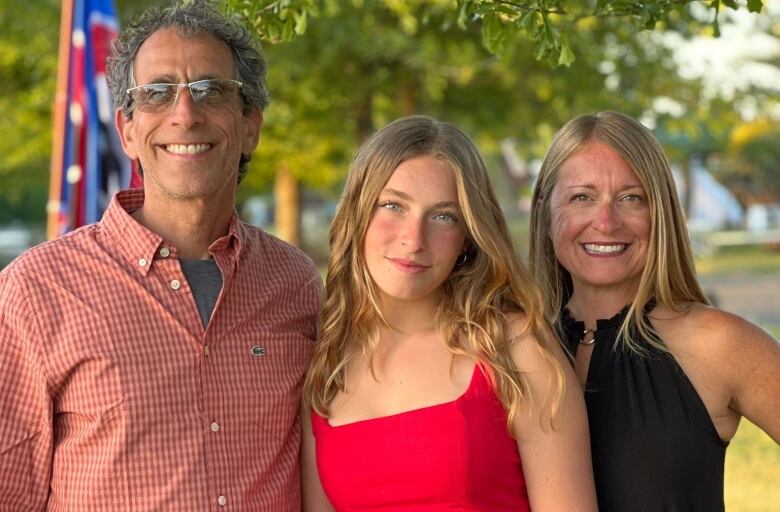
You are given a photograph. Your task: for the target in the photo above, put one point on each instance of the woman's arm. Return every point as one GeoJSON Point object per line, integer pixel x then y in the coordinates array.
{"type": "Point", "coordinates": [555, 455]}
{"type": "Point", "coordinates": [747, 362]}
{"type": "Point", "coordinates": [314, 499]}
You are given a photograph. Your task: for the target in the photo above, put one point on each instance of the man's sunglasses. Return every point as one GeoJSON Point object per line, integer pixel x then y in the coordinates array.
{"type": "Point", "coordinates": [161, 98]}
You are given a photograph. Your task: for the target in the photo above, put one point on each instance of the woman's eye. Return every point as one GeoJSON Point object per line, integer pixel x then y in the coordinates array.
{"type": "Point", "coordinates": [580, 197]}
{"type": "Point", "coordinates": [633, 197]}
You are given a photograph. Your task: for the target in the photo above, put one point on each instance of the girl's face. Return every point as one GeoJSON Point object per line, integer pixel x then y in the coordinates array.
{"type": "Point", "coordinates": [416, 232]}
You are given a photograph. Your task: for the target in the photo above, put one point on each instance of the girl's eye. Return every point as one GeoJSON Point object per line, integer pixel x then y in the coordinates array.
{"type": "Point", "coordinates": [446, 216]}
{"type": "Point", "coordinates": [389, 205]}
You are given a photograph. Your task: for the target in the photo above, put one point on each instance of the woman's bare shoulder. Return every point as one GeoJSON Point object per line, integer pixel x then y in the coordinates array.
{"type": "Point", "coordinates": [702, 327]}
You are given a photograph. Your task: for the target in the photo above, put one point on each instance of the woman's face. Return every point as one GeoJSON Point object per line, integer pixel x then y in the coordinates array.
{"type": "Point", "coordinates": [600, 221]}
{"type": "Point", "coordinates": [416, 232]}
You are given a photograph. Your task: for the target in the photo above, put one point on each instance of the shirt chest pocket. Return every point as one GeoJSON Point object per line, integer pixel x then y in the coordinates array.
{"type": "Point", "coordinates": [278, 349]}
{"type": "Point", "coordinates": [269, 368]}
{"type": "Point", "coordinates": [277, 361]}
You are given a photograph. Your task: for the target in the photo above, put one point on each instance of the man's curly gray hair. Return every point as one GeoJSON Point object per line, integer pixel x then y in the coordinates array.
{"type": "Point", "coordinates": [189, 18]}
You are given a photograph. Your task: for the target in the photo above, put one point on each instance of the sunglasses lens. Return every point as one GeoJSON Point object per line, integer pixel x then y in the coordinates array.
{"type": "Point", "coordinates": [154, 97]}
{"type": "Point", "coordinates": [213, 92]}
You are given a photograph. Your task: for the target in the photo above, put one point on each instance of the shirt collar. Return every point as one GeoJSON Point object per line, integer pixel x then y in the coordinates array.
{"type": "Point", "coordinates": [141, 246]}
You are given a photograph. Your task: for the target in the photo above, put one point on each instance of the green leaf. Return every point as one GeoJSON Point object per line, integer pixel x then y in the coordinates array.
{"type": "Point", "coordinates": [540, 51]}
{"type": "Point", "coordinates": [463, 16]}
{"type": "Point", "coordinates": [755, 5]}
{"type": "Point", "coordinates": [529, 22]}
{"type": "Point", "coordinates": [493, 33]}
{"type": "Point", "coordinates": [566, 56]}
{"type": "Point", "coordinates": [300, 22]}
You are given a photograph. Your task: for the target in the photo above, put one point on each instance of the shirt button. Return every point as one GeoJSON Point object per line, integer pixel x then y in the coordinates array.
{"type": "Point", "coordinates": [206, 350]}
{"type": "Point", "coordinates": [214, 426]}
{"type": "Point", "coordinates": [165, 252]}
{"type": "Point", "coordinates": [175, 284]}
{"type": "Point", "coordinates": [142, 262]}
{"type": "Point", "coordinates": [222, 501]}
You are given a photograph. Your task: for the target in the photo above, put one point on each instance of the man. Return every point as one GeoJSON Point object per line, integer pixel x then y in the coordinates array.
{"type": "Point", "coordinates": [153, 361]}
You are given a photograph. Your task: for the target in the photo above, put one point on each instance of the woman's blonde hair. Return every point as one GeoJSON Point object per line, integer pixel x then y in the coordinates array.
{"type": "Point", "coordinates": [669, 276]}
{"type": "Point", "coordinates": [478, 293]}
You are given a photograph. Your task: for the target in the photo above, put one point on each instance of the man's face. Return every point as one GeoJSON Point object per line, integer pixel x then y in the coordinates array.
{"type": "Point", "coordinates": [191, 151]}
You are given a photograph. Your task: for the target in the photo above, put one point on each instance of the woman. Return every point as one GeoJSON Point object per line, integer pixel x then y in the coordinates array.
{"type": "Point", "coordinates": [435, 377]}
{"type": "Point", "coordinates": [666, 376]}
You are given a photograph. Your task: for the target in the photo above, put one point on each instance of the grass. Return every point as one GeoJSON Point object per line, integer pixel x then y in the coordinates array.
{"type": "Point", "coordinates": [753, 458]}
{"type": "Point", "coordinates": [752, 471]}
{"type": "Point", "coordinates": [750, 259]}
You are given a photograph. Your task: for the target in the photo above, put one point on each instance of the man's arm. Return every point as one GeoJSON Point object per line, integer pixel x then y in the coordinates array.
{"type": "Point", "coordinates": [314, 498]}
{"type": "Point", "coordinates": [25, 404]}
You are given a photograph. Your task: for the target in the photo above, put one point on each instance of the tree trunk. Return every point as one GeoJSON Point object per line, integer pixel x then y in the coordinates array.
{"type": "Point", "coordinates": [685, 167]}
{"type": "Point", "coordinates": [288, 208]}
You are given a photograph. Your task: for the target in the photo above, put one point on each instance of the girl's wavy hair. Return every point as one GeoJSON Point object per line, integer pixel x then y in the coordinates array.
{"type": "Point", "coordinates": [669, 275]}
{"type": "Point", "coordinates": [476, 296]}
{"type": "Point", "coordinates": [189, 19]}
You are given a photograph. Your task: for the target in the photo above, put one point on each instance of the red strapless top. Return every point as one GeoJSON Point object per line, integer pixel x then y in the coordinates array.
{"type": "Point", "coordinates": [452, 456]}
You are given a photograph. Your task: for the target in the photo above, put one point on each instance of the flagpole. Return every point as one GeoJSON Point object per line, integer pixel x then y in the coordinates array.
{"type": "Point", "coordinates": [60, 118]}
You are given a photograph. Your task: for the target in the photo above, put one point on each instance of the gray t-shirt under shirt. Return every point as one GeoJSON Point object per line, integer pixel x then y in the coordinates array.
{"type": "Point", "coordinates": [205, 281]}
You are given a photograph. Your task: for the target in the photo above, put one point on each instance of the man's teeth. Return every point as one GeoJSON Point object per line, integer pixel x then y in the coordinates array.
{"type": "Point", "coordinates": [604, 249]}
{"type": "Point", "coordinates": [187, 149]}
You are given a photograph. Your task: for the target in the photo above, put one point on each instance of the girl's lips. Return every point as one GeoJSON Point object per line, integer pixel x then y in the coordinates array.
{"type": "Point", "coordinates": [408, 266]}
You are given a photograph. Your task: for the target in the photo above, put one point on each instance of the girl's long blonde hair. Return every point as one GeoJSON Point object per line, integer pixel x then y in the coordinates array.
{"type": "Point", "coordinates": [669, 276]}
{"type": "Point", "coordinates": [477, 295]}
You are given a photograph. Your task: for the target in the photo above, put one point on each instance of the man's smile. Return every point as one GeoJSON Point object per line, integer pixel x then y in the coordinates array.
{"type": "Point", "coordinates": [186, 149]}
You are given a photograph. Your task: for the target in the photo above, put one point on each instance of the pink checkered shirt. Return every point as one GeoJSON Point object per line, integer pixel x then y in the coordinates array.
{"type": "Point", "coordinates": [114, 397]}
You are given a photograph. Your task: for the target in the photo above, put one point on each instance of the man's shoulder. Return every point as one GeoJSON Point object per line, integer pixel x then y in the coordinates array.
{"type": "Point", "coordinates": [273, 249]}
{"type": "Point", "coordinates": [53, 255]}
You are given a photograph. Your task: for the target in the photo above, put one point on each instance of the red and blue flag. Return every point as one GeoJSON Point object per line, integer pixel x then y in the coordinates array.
{"type": "Point", "coordinates": [93, 165]}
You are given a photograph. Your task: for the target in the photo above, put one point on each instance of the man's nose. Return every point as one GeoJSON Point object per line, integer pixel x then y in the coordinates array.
{"type": "Point", "coordinates": [185, 110]}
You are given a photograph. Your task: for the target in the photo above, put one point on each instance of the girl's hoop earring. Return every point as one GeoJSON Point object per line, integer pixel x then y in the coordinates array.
{"type": "Point", "coordinates": [462, 259]}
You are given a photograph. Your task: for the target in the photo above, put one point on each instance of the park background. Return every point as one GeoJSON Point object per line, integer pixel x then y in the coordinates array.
{"type": "Point", "coordinates": [509, 73]}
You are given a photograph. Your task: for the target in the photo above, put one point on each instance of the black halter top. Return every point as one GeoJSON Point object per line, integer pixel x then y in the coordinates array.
{"type": "Point", "coordinates": [654, 446]}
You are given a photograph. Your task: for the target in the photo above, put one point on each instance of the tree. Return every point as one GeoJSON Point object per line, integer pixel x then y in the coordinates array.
{"type": "Point", "coordinates": [548, 23]}
{"type": "Point", "coordinates": [339, 69]}
{"type": "Point", "coordinates": [750, 165]}
{"type": "Point", "coordinates": [485, 65]}
{"type": "Point", "coordinates": [28, 63]}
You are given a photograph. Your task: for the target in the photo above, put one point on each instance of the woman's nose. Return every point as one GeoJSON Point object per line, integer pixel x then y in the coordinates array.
{"type": "Point", "coordinates": [607, 218]}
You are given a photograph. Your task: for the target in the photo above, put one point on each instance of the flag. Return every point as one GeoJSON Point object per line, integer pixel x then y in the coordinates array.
{"type": "Point", "coordinates": [88, 164]}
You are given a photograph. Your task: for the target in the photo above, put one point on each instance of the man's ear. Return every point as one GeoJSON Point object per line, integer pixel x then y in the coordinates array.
{"type": "Point", "coordinates": [124, 127]}
{"type": "Point", "coordinates": [253, 121]}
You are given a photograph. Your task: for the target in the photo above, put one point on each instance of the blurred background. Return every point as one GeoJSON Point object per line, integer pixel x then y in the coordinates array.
{"type": "Point", "coordinates": [509, 74]}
